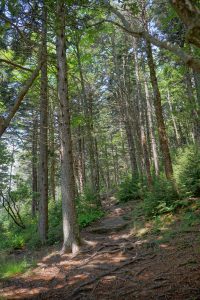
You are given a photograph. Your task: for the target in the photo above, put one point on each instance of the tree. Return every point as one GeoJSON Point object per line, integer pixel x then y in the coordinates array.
{"type": "Point", "coordinates": [70, 226]}
{"type": "Point", "coordinates": [190, 15]}
{"type": "Point", "coordinates": [43, 159]}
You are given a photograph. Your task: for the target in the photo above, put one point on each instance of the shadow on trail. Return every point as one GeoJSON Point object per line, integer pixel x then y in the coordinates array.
{"type": "Point", "coordinates": [118, 266]}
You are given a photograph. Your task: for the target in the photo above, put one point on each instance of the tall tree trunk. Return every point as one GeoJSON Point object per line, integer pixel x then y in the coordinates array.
{"type": "Point", "coordinates": [194, 108]}
{"type": "Point", "coordinates": [43, 158]}
{"type": "Point", "coordinates": [132, 111]}
{"type": "Point", "coordinates": [196, 76]}
{"type": "Point", "coordinates": [70, 225]}
{"type": "Point", "coordinates": [93, 154]}
{"type": "Point", "coordinates": [80, 160]}
{"type": "Point", "coordinates": [52, 156]}
{"type": "Point", "coordinates": [177, 136]}
{"type": "Point", "coordinates": [88, 112]}
{"type": "Point", "coordinates": [115, 162]}
{"type": "Point", "coordinates": [140, 99]}
{"type": "Point", "coordinates": [107, 168]}
{"type": "Point", "coordinates": [151, 129]}
{"type": "Point", "coordinates": [34, 206]}
{"type": "Point", "coordinates": [126, 111]}
{"type": "Point", "coordinates": [159, 114]}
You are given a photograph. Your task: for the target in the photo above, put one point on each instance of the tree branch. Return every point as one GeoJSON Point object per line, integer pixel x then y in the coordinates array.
{"type": "Point", "coordinates": [9, 62]}
{"type": "Point", "coordinates": [6, 19]}
{"type": "Point", "coordinates": [188, 59]}
{"type": "Point", "coordinates": [4, 123]}
{"type": "Point", "coordinates": [190, 15]}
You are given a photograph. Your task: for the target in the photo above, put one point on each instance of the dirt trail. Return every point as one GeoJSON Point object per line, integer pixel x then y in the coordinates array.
{"type": "Point", "coordinates": [116, 265]}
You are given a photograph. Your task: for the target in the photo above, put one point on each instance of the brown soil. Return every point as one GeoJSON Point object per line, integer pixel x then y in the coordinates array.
{"type": "Point", "coordinates": [116, 265]}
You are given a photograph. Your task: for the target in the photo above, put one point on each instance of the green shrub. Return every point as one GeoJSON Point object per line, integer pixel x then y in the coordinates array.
{"type": "Point", "coordinates": [130, 189]}
{"type": "Point", "coordinates": [12, 237]}
{"type": "Point", "coordinates": [87, 209]}
{"type": "Point", "coordinates": [162, 198]}
{"type": "Point", "coordinates": [13, 267]}
{"type": "Point", "coordinates": [87, 197]}
{"type": "Point", "coordinates": [87, 212]}
{"type": "Point", "coordinates": [86, 217]}
{"type": "Point", "coordinates": [55, 234]}
{"type": "Point", "coordinates": [187, 171]}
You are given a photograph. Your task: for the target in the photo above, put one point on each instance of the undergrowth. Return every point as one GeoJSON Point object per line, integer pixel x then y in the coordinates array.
{"type": "Point", "coordinates": [13, 237]}
{"type": "Point", "coordinates": [13, 267]}
{"type": "Point", "coordinates": [130, 188]}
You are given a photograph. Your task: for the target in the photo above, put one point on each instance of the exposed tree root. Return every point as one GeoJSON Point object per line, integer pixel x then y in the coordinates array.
{"type": "Point", "coordinates": [125, 263]}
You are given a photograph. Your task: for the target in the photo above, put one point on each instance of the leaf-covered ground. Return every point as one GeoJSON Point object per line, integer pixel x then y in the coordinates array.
{"type": "Point", "coordinates": [140, 260]}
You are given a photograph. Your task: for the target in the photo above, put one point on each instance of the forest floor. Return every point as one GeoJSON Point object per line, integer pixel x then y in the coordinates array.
{"type": "Point", "coordinates": [123, 260]}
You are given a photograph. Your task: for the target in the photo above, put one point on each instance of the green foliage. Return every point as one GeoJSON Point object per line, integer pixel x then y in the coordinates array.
{"type": "Point", "coordinates": [55, 223]}
{"type": "Point", "coordinates": [87, 217]}
{"type": "Point", "coordinates": [130, 189]}
{"type": "Point", "coordinates": [13, 267]}
{"type": "Point", "coordinates": [22, 191]}
{"type": "Point", "coordinates": [190, 218]}
{"type": "Point", "coordinates": [87, 197]}
{"type": "Point", "coordinates": [13, 237]}
{"type": "Point", "coordinates": [87, 209]}
{"type": "Point", "coordinates": [5, 159]}
{"type": "Point", "coordinates": [187, 171]}
{"type": "Point", "coordinates": [161, 198]}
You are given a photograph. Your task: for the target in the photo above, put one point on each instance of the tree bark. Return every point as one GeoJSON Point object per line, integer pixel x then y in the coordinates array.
{"type": "Point", "coordinates": [140, 99]}
{"type": "Point", "coordinates": [88, 112]}
{"type": "Point", "coordinates": [52, 157]}
{"type": "Point", "coordinates": [159, 114]}
{"type": "Point", "coordinates": [128, 117]}
{"type": "Point", "coordinates": [194, 108]}
{"type": "Point", "coordinates": [34, 206]}
{"type": "Point", "coordinates": [190, 15]}
{"type": "Point", "coordinates": [151, 128]}
{"type": "Point", "coordinates": [43, 158]}
{"type": "Point", "coordinates": [70, 225]}
{"type": "Point", "coordinates": [177, 136]}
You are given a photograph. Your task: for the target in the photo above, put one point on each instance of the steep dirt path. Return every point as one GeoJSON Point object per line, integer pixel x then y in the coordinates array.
{"type": "Point", "coordinates": [115, 265]}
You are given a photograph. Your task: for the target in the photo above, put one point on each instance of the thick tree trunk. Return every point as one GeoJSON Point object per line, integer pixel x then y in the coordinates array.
{"type": "Point", "coordinates": [34, 206]}
{"type": "Point", "coordinates": [70, 225]}
{"type": "Point", "coordinates": [159, 114]}
{"type": "Point", "coordinates": [43, 158]}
